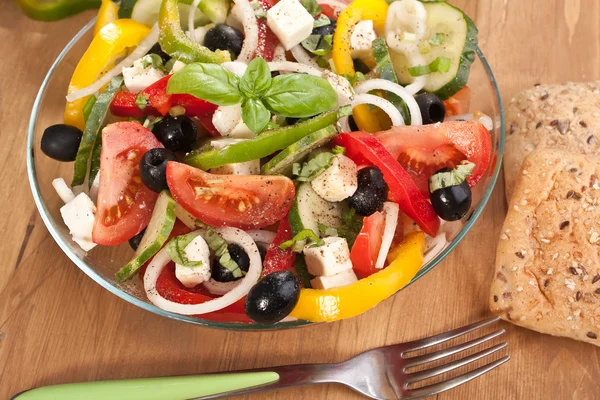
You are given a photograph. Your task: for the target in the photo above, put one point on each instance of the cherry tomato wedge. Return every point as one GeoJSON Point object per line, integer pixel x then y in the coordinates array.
{"type": "Point", "coordinates": [460, 103]}
{"type": "Point", "coordinates": [124, 204]}
{"type": "Point", "coordinates": [422, 150]}
{"type": "Point", "coordinates": [277, 259]}
{"type": "Point", "coordinates": [362, 147]}
{"type": "Point", "coordinates": [267, 41]}
{"type": "Point", "coordinates": [367, 244]}
{"type": "Point", "coordinates": [245, 202]}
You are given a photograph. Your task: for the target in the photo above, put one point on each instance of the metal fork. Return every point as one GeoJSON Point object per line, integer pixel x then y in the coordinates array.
{"type": "Point", "coordinates": [380, 374]}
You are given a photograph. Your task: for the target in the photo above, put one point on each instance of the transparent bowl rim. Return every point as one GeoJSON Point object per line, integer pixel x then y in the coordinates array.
{"type": "Point", "coordinates": [81, 264]}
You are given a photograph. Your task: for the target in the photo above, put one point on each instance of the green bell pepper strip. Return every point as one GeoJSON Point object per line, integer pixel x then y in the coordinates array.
{"type": "Point", "coordinates": [265, 144]}
{"type": "Point", "coordinates": [92, 129]}
{"type": "Point", "coordinates": [53, 10]}
{"type": "Point", "coordinates": [177, 44]}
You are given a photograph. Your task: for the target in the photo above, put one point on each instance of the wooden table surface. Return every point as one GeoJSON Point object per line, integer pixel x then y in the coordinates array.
{"type": "Point", "coordinates": [57, 325]}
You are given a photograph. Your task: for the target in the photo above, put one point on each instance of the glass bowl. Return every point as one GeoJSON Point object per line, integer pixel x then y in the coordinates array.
{"type": "Point", "coordinates": [102, 262]}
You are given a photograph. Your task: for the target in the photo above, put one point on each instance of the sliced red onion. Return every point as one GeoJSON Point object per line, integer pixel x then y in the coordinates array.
{"type": "Point", "coordinates": [303, 57]}
{"type": "Point", "coordinates": [250, 31]}
{"type": "Point", "coordinates": [385, 105]}
{"type": "Point", "coordinates": [230, 235]}
{"type": "Point", "coordinates": [391, 212]}
{"type": "Point", "coordinates": [484, 119]}
{"type": "Point", "coordinates": [434, 247]}
{"type": "Point", "coordinates": [138, 53]}
{"type": "Point", "coordinates": [191, 18]}
{"type": "Point", "coordinates": [382, 84]}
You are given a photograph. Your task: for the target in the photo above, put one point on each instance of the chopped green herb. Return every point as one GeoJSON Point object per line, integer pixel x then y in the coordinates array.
{"type": "Point", "coordinates": [312, 7]}
{"type": "Point", "coordinates": [152, 60]}
{"type": "Point", "coordinates": [313, 168]}
{"type": "Point", "coordinates": [354, 79]}
{"type": "Point", "coordinates": [219, 247]}
{"type": "Point", "coordinates": [176, 250]}
{"type": "Point", "coordinates": [323, 20]}
{"type": "Point", "coordinates": [322, 62]}
{"type": "Point", "coordinates": [303, 235]}
{"type": "Point", "coordinates": [87, 109]}
{"type": "Point", "coordinates": [318, 45]}
{"type": "Point", "coordinates": [338, 150]}
{"type": "Point", "coordinates": [440, 64]}
{"type": "Point", "coordinates": [141, 101]}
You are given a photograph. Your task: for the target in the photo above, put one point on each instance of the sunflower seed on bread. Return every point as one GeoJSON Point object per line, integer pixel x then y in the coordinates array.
{"type": "Point", "coordinates": [565, 117]}
{"type": "Point", "coordinates": [547, 274]}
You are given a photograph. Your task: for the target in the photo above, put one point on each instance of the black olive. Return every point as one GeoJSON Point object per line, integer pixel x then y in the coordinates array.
{"type": "Point", "coordinates": [326, 29]}
{"type": "Point", "coordinates": [352, 124]}
{"type": "Point", "coordinates": [371, 193]}
{"type": "Point", "coordinates": [176, 133]}
{"type": "Point", "coordinates": [360, 66]}
{"type": "Point", "coordinates": [61, 142]}
{"type": "Point", "coordinates": [224, 37]}
{"type": "Point", "coordinates": [220, 273]}
{"type": "Point", "coordinates": [156, 49]}
{"type": "Point", "coordinates": [453, 202]}
{"type": "Point", "coordinates": [153, 168]}
{"type": "Point", "coordinates": [432, 108]}
{"type": "Point", "coordinates": [134, 242]}
{"type": "Point", "coordinates": [273, 297]}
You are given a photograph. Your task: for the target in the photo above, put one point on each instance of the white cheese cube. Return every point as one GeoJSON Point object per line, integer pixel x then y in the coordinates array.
{"type": "Point", "coordinates": [337, 182]}
{"type": "Point", "coordinates": [78, 215]}
{"type": "Point", "coordinates": [362, 38]}
{"type": "Point", "coordinates": [138, 78]}
{"type": "Point", "coordinates": [177, 66]}
{"type": "Point", "coordinates": [330, 259]}
{"type": "Point", "coordinates": [340, 279]}
{"type": "Point", "coordinates": [290, 22]}
{"type": "Point", "coordinates": [228, 121]}
{"type": "Point", "coordinates": [244, 168]}
{"type": "Point", "coordinates": [197, 250]}
{"type": "Point", "coordinates": [341, 85]}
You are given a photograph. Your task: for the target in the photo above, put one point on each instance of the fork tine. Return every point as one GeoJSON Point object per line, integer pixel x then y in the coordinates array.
{"type": "Point", "coordinates": [454, 382]}
{"type": "Point", "coordinates": [436, 355]}
{"type": "Point", "coordinates": [430, 373]}
{"type": "Point", "coordinates": [444, 337]}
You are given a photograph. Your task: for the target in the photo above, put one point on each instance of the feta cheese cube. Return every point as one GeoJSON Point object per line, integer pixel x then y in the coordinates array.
{"type": "Point", "coordinates": [78, 215]}
{"type": "Point", "coordinates": [197, 250]}
{"type": "Point", "coordinates": [330, 259]}
{"type": "Point", "coordinates": [138, 78]}
{"type": "Point", "coordinates": [290, 22]}
{"type": "Point", "coordinates": [362, 38]}
{"type": "Point", "coordinates": [340, 279]}
{"type": "Point", "coordinates": [228, 121]}
{"type": "Point", "coordinates": [177, 66]}
{"type": "Point", "coordinates": [337, 182]}
{"type": "Point", "coordinates": [244, 168]}
{"type": "Point", "coordinates": [341, 85]}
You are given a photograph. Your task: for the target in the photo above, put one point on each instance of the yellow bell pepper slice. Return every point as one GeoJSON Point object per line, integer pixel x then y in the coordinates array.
{"type": "Point", "coordinates": [349, 301]}
{"type": "Point", "coordinates": [106, 48]}
{"type": "Point", "coordinates": [358, 10]}
{"type": "Point", "coordinates": [108, 12]}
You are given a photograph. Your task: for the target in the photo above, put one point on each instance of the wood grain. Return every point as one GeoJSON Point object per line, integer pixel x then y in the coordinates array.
{"type": "Point", "coordinates": [57, 325]}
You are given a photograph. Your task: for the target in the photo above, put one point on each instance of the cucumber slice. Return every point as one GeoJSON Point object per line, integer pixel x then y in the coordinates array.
{"type": "Point", "coordinates": [309, 210]}
{"type": "Point", "coordinates": [157, 233]}
{"type": "Point", "coordinates": [215, 10]}
{"type": "Point", "coordinates": [459, 45]}
{"type": "Point", "coordinates": [282, 163]}
{"type": "Point", "coordinates": [146, 12]}
{"type": "Point", "coordinates": [126, 8]}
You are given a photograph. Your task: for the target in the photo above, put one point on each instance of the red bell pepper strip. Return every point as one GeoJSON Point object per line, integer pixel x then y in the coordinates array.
{"type": "Point", "coordinates": [159, 102]}
{"type": "Point", "coordinates": [361, 146]}
{"type": "Point", "coordinates": [267, 41]}
{"type": "Point", "coordinates": [277, 259]}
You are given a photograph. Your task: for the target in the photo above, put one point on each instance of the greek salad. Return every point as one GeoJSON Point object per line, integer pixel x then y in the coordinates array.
{"type": "Point", "coordinates": [271, 159]}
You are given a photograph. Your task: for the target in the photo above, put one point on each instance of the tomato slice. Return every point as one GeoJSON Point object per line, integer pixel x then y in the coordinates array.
{"type": "Point", "coordinates": [277, 259]}
{"type": "Point", "coordinates": [367, 244]}
{"type": "Point", "coordinates": [422, 150]}
{"type": "Point", "coordinates": [245, 202]}
{"type": "Point", "coordinates": [460, 103]}
{"type": "Point", "coordinates": [124, 204]}
{"type": "Point", "coordinates": [328, 11]}
{"type": "Point", "coordinates": [267, 41]}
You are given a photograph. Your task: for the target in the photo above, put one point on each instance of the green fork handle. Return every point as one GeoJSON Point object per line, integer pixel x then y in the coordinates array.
{"type": "Point", "coordinates": [167, 388]}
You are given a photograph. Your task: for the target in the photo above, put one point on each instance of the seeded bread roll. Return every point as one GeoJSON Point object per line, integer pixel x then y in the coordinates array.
{"type": "Point", "coordinates": [565, 117]}
{"type": "Point", "coordinates": [547, 263]}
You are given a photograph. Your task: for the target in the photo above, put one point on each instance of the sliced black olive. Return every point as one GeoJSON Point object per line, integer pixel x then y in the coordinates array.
{"type": "Point", "coordinates": [360, 66]}
{"type": "Point", "coordinates": [61, 142]}
{"type": "Point", "coordinates": [451, 202]}
{"type": "Point", "coordinates": [156, 49]}
{"type": "Point", "coordinates": [273, 297]}
{"type": "Point", "coordinates": [224, 37]}
{"type": "Point", "coordinates": [326, 29]}
{"type": "Point", "coordinates": [371, 193]}
{"type": "Point", "coordinates": [153, 168]}
{"type": "Point", "coordinates": [432, 108]}
{"type": "Point", "coordinates": [134, 242]}
{"type": "Point", "coordinates": [176, 133]}
{"type": "Point", "coordinates": [220, 273]}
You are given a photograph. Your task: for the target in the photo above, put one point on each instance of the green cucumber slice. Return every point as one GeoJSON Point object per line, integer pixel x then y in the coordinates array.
{"type": "Point", "coordinates": [309, 210]}
{"type": "Point", "coordinates": [92, 130]}
{"type": "Point", "coordinates": [459, 45]}
{"type": "Point", "coordinates": [385, 68]}
{"type": "Point", "coordinates": [282, 163]}
{"type": "Point", "coordinates": [146, 12]}
{"type": "Point", "coordinates": [157, 233]}
{"type": "Point", "coordinates": [95, 161]}
{"type": "Point", "coordinates": [215, 10]}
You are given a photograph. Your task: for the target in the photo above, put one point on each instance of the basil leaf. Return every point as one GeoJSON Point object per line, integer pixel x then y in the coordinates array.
{"type": "Point", "coordinates": [323, 20]}
{"type": "Point", "coordinates": [319, 45]}
{"type": "Point", "coordinates": [440, 64]}
{"type": "Point", "coordinates": [300, 96]}
{"type": "Point", "coordinates": [87, 109]}
{"type": "Point", "coordinates": [301, 236]}
{"type": "Point", "coordinates": [257, 79]}
{"type": "Point", "coordinates": [313, 168]}
{"type": "Point", "coordinates": [255, 115]}
{"type": "Point", "coordinates": [176, 250]}
{"type": "Point", "coordinates": [209, 82]}
{"type": "Point", "coordinates": [312, 7]}
{"type": "Point", "coordinates": [219, 247]}
{"type": "Point", "coordinates": [322, 62]}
